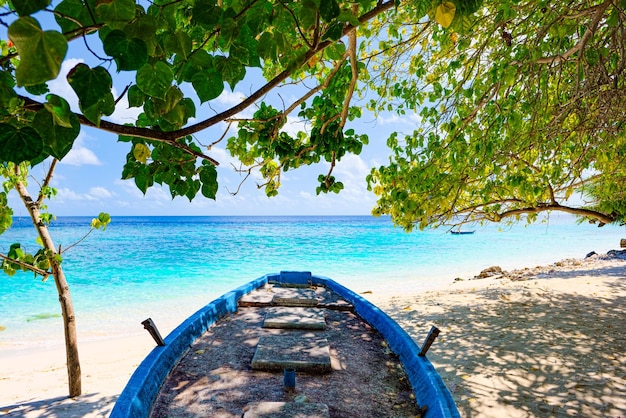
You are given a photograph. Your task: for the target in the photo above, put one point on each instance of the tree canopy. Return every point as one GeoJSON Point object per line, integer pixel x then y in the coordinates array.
{"type": "Point", "coordinates": [520, 102]}
{"type": "Point", "coordinates": [522, 111]}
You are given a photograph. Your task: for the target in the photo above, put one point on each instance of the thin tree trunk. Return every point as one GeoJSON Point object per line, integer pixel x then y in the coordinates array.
{"type": "Point", "coordinates": [67, 307]}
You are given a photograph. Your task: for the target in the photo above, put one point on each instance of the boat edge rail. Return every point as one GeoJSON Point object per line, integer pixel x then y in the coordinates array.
{"type": "Point", "coordinates": [141, 391]}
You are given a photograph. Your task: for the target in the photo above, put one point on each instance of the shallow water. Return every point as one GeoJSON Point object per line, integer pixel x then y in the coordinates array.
{"type": "Point", "coordinates": [168, 267]}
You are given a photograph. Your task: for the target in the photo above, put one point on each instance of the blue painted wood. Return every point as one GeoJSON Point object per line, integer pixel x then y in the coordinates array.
{"type": "Point", "coordinates": [139, 395]}
{"type": "Point", "coordinates": [141, 391]}
{"type": "Point", "coordinates": [293, 277]}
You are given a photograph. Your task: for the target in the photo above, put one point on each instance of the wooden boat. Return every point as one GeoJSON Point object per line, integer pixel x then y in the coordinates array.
{"type": "Point", "coordinates": [240, 354]}
{"type": "Point", "coordinates": [459, 232]}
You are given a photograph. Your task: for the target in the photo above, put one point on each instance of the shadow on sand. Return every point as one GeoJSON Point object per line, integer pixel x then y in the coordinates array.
{"type": "Point", "coordinates": [88, 405]}
{"type": "Point", "coordinates": [531, 352]}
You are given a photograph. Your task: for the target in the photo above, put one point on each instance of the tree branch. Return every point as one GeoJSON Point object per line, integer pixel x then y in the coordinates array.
{"type": "Point", "coordinates": [556, 59]}
{"type": "Point", "coordinates": [355, 75]}
{"type": "Point", "coordinates": [46, 181]}
{"type": "Point", "coordinates": [170, 137]}
{"type": "Point", "coordinates": [30, 267]}
{"type": "Point", "coordinates": [603, 218]}
{"type": "Point", "coordinates": [129, 131]}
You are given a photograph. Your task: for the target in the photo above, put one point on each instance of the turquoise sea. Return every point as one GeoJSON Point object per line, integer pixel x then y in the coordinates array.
{"type": "Point", "coordinates": [168, 267]}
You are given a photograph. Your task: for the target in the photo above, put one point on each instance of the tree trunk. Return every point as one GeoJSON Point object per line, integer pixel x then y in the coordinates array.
{"type": "Point", "coordinates": [67, 307]}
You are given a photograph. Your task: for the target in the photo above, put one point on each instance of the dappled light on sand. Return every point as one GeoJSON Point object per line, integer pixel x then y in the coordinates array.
{"type": "Point", "coordinates": [540, 347]}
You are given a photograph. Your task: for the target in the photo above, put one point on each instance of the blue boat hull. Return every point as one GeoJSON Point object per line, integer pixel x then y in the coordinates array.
{"type": "Point", "coordinates": [139, 395]}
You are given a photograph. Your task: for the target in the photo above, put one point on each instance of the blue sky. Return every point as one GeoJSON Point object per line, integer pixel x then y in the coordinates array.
{"type": "Point", "coordinates": [88, 179]}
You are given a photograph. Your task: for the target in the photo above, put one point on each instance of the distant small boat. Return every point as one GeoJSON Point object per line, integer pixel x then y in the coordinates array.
{"type": "Point", "coordinates": [239, 319]}
{"type": "Point", "coordinates": [462, 232]}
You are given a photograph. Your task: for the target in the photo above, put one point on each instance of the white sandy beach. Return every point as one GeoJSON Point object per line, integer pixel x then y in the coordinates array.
{"type": "Point", "coordinates": [550, 343]}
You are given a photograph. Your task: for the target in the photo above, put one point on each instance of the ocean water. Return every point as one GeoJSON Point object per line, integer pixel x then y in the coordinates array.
{"type": "Point", "coordinates": [166, 268]}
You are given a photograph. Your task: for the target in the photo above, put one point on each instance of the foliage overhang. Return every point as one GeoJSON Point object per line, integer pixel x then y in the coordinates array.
{"type": "Point", "coordinates": [520, 102]}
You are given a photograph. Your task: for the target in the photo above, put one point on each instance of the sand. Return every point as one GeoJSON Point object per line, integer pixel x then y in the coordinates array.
{"type": "Point", "coordinates": [550, 342]}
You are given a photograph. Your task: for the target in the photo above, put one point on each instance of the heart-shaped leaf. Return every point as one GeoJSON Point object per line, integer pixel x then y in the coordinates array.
{"type": "Point", "coordinates": [115, 12]}
{"type": "Point", "coordinates": [208, 178]}
{"type": "Point", "coordinates": [93, 88]}
{"type": "Point", "coordinates": [41, 53]}
{"type": "Point", "coordinates": [79, 12]}
{"type": "Point", "coordinates": [444, 14]}
{"type": "Point", "coordinates": [329, 9]}
{"type": "Point", "coordinates": [141, 152]}
{"type": "Point", "coordinates": [28, 7]}
{"type": "Point", "coordinates": [232, 70]}
{"type": "Point", "coordinates": [19, 144]}
{"type": "Point", "coordinates": [208, 84]}
{"type": "Point", "coordinates": [155, 80]}
{"type": "Point", "coordinates": [130, 53]}
{"type": "Point", "coordinates": [58, 140]}
{"type": "Point", "coordinates": [136, 98]}
{"type": "Point", "coordinates": [179, 43]}
{"type": "Point", "coordinates": [60, 110]}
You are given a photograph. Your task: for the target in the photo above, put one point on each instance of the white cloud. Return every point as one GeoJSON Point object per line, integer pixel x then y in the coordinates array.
{"type": "Point", "coordinates": [94, 194]}
{"type": "Point", "coordinates": [80, 155]}
{"type": "Point", "coordinates": [100, 193]}
{"type": "Point", "coordinates": [224, 158]}
{"type": "Point", "coordinates": [229, 99]}
{"type": "Point", "coordinates": [154, 195]}
{"type": "Point", "coordinates": [67, 194]}
{"type": "Point", "coordinates": [412, 119]}
{"type": "Point", "coordinates": [351, 171]}
{"type": "Point", "coordinates": [351, 167]}
{"type": "Point", "coordinates": [123, 112]}
{"type": "Point", "coordinates": [294, 125]}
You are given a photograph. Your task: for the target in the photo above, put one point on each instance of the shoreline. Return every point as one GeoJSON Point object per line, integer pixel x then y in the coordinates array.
{"type": "Point", "coordinates": [484, 323]}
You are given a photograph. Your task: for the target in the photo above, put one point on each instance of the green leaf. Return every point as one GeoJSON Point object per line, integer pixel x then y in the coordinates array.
{"type": "Point", "coordinates": [208, 178]}
{"type": "Point", "coordinates": [6, 213]}
{"type": "Point", "coordinates": [130, 53]}
{"type": "Point", "coordinates": [335, 51]}
{"type": "Point", "coordinates": [144, 180]}
{"type": "Point", "coordinates": [145, 28]}
{"type": "Point", "coordinates": [172, 98]}
{"type": "Point", "coordinates": [267, 48]}
{"type": "Point", "coordinates": [229, 31]}
{"type": "Point", "coordinates": [101, 221]}
{"type": "Point", "coordinates": [334, 31]}
{"type": "Point", "coordinates": [60, 110]}
{"type": "Point", "coordinates": [136, 98]}
{"type": "Point", "coordinates": [206, 13]}
{"type": "Point", "coordinates": [178, 43]}
{"type": "Point", "coordinates": [308, 13]}
{"type": "Point", "coordinates": [58, 140]}
{"type": "Point", "coordinates": [155, 80]}
{"type": "Point", "coordinates": [41, 53]}
{"type": "Point", "coordinates": [232, 70]}
{"type": "Point", "coordinates": [37, 89]}
{"type": "Point", "coordinates": [245, 48]}
{"type": "Point", "coordinates": [199, 61]}
{"type": "Point", "coordinates": [28, 7]}
{"type": "Point", "coordinates": [208, 85]}
{"type": "Point", "coordinates": [329, 9]}
{"type": "Point", "coordinates": [115, 12]}
{"type": "Point", "coordinates": [77, 11]}
{"type": "Point", "coordinates": [19, 144]}
{"type": "Point", "coordinates": [93, 88]}
{"type": "Point", "coordinates": [7, 94]}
